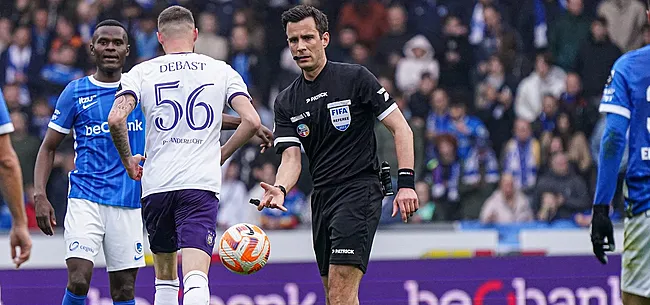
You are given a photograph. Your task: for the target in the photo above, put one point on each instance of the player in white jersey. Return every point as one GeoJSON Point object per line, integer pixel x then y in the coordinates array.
{"type": "Point", "coordinates": [182, 95]}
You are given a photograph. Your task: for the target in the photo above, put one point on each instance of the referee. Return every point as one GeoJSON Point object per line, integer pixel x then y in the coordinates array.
{"type": "Point", "coordinates": [331, 109]}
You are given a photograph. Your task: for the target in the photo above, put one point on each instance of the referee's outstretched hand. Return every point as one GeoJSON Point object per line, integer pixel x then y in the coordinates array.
{"type": "Point", "coordinates": [407, 203]}
{"type": "Point", "coordinates": [273, 198]}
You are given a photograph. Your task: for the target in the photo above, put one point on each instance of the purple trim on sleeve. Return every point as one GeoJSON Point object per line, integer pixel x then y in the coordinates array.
{"type": "Point", "coordinates": [232, 96]}
{"type": "Point", "coordinates": [128, 92]}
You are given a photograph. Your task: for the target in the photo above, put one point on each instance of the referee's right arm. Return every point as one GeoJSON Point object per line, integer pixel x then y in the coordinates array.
{"type": "Point", "coordinates": [288, 144]}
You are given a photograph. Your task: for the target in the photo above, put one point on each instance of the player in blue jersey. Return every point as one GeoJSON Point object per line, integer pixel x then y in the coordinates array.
{"type": "Point", "coordinates": [103, 208]}
{"type": "Point", "coordinates": [626, 102]}
{"type": "Point", "coordinates": [11, 187]}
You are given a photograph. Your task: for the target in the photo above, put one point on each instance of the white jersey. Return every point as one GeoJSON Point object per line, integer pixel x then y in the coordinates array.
{"type": "Point", "coordinates": [182, 96]}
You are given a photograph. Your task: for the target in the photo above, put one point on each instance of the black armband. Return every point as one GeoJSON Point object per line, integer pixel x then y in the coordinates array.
{"type": "Point", "coordinates": [405, 178]}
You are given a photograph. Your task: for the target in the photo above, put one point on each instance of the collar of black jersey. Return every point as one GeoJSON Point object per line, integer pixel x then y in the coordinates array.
{"type": "Point", "coordinates": [318, 77]}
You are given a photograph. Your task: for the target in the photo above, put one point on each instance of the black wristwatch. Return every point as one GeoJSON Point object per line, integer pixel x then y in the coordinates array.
{"type": "Point", "coordinates": [284, 191]}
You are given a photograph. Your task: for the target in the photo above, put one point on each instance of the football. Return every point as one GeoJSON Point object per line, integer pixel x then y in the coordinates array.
{"type": "Point", "coordinates": [244, 248]}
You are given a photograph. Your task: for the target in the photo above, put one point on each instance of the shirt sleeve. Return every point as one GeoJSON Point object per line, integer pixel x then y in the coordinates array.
{"type": "Point", "coordinates": [380, 101]}
{"type": "Point", "coordinates": [283, 130]}
{"type": "Point", "coordinates": [235, 86]}
{"type": "Point", "coordinates": [63, 118]}
{"type": "Point", "coordinates": [612, 148]}
{"type": "Point", "coordinates": [130, 83]}
{"type": "Point", "coordinates": [616, 98]}
{"type": "Point", "coordinates": [5, 120]}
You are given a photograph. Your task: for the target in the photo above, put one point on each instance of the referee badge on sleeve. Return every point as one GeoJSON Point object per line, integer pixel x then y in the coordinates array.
{"type": "Point", "coordinates": [340, 114]}
{"type": "Point", "coordinates": [303, 130]}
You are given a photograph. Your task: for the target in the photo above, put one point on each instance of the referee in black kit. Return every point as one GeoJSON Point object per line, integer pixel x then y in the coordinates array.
{"type": "Point", "coordinates": [331, 109]}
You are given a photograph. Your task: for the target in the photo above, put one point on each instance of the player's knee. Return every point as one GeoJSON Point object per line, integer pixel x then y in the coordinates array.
{"type": "Point", "coordinates": [78, 283]}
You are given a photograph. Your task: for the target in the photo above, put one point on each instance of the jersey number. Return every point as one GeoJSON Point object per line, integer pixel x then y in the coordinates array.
{"type": "Point", "coordinates": [190, 104]}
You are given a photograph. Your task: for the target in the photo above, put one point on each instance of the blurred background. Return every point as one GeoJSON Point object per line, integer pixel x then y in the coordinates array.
{"type": "Point", "coordinates": [502, 97]}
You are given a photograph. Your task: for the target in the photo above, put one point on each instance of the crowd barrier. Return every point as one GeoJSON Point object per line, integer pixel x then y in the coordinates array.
{"type": "Point", "coordinates": [516, 280]}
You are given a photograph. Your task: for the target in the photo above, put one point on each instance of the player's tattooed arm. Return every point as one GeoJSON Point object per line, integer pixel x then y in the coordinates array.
{"type": "Point", "coordinates": [122, 107]}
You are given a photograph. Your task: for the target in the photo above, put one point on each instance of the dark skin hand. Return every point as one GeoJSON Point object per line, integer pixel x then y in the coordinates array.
{"type": "Point", "coordinates": [230, 122]}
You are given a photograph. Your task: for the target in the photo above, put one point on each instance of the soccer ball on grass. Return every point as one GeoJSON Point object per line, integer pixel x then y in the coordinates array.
{"type": "Point", "coordinates": [244, 248]}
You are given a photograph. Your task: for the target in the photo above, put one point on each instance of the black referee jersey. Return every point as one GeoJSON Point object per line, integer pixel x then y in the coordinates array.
{"type": "Point", "coordinates": [333, 117]}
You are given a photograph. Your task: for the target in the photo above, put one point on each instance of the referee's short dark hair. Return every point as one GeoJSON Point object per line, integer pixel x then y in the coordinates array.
{"type": "Point", "coordinates": [111, 22]}
{"type": "Point", "coordinates": [301, 12]}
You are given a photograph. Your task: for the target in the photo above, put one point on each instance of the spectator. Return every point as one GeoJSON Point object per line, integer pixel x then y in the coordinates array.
{"type": "Point", "coordinates": [244, 17]}
{"type": "Point", "coordinates": [360, 55]}
{"type": "Point", "coordinates": [521, 157]}
{"type": "Point", "coordinates": [42, 35]}
{"type": "Point", "coordinates": [575, 143]}
{"type": "Point", "coordinates": [533, 21]}
{"type": "Point", "coordinates": [481, 175]}
{"type": "Point", "coordinates": [498, 112]}
{"type": "Point", "coordinates": [147, 40]}
{"type": "Point", "coordinates": [419, 59]}
{"type": "Point", "coordinates": [209, 42]}
{"type": "Point", "coordinates": [546, 121]}
{"type": "Point", "coordinates": [389, 45]}
{"type": "Point", "coordinates": [5, 34]}
{"type": "Point", "coordinates": [516, 64]}
{"type": "Point", "coordinates": [584, 114]}
{"type": "Point", "coordinates": [443, 173]}
{"type": "Point", "coordinates": [19, 64]}
{"type": "Point", "coordinates": [567, 34]}
{"type": "Point", "coordinates": [494, 28]}
{"type": "Point", "coordinates": [496, 85]}
{"type": "Point", "coordinates": [456, 56]}
{"type": "Point", "coordinates": [561, 193]}
{"type": "Point", "coordinates": [25, 145]}
{"type": "Point", "coordinates": [438, 118]}
{"type": "Point", "coordinates": [367, 17]}
{"type": "Point", "coordinates": [625, 19]}
{"type": "Point", "coordinates": [418, 102]}
{"type": "Point", "coordinates": [86, 20]}
{"type": "Point", "coordinates": [386, 150]}
{"type": "Point", "coordinates": [41, 114]}
{"type": "Point", "coordinates": [59, 72]}
{"type": "Point", "coordinates": [596, 59]}
{"type": "Point", "coordinates": [12, 97]}
{"type": "Point", "coordinates": [248, 62]}
{"type": "Point", "coordinates": [427, 208]}
{"type": "Point", "coordinates": [66, 35]}
{"type": "Point", "coordinates": [478, 24]}
{"type": "Point", "coordinates": [546, 79]}
{"type": "Point", "coordinates": [341, 49]}
{"type": "Point", "coordinates": [233, 204]}
{"type": "Point", "coordinates": [506, 205]}
{"type": "Point", "coordinates": [468, 130]}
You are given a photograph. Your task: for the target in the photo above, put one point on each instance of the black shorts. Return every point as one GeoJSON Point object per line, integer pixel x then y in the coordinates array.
{"type": "Point", "coordinates": [344, 221]}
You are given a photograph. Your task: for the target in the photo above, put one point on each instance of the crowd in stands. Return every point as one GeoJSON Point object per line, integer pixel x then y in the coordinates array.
{"type": "Point", "coordinates": [502, 95]}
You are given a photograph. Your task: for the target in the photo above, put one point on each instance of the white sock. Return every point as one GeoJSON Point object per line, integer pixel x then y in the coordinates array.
{"type": "Point", "coordinates": [166, 292]}
{"type": "Point", "coordinates": [196, 290]}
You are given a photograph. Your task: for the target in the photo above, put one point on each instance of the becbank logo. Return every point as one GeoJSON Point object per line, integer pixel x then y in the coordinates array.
{"type": "Point", "coordinates": [519, 293]}
{"type": "Point", "coordinates": [103, 128]}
